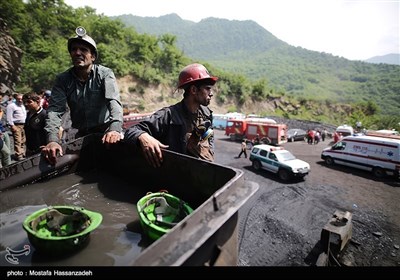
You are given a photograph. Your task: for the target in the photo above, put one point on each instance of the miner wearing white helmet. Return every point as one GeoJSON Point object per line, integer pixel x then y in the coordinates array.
{"type": "Point", "coordinates": [185, 127]}
{"type": "Point", "coordinates": [90, 92]}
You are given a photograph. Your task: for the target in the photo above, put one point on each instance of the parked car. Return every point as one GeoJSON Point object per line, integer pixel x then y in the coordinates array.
{"type": "Point", "coordinates": [296, 134]}
{"type": "Point", "coordinates": [279, 161]}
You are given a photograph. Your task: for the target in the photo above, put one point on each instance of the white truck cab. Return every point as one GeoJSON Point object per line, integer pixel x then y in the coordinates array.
{"type": "Point", "coordinates": [279, 161]}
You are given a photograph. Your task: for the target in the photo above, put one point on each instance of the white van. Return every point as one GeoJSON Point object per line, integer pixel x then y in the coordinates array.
{"type": "Point", "coordinates": [379, 155]}
{"type": "Point", "coordinates": [345, 130]}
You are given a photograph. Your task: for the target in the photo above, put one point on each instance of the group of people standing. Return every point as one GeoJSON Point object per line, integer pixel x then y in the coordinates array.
{"type": "Point", "coordinates": [23, 116]}
{"type": "Point", "coordinates": [89, 93]}
{"type": "Point", "coordinates": [315, 136]}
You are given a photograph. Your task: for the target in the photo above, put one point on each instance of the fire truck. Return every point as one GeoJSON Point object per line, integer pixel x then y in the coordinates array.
{"type": "Point", "coordinates": [268, 133]}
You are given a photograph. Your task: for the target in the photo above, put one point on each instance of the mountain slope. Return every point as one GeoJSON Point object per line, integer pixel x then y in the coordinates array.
{"type": "Point", "coordinates": [211, 38]}
{"type": "Point", "coordinates": [392, 58]}
{"type": "Point", "coordinates": [246, 48]}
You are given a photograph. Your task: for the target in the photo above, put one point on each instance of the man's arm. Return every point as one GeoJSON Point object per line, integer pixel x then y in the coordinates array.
{"type": "Point", "coordinates": [115, 109]}
{"type": "Point", "coordinates": [114, 101]}
{"type": "Point", "coordinates": [57, 108]}
{"type": "Point", "coordinates": [9, 114]}
{"type": "Point", "coordinates": [146, 135]}
{"type": "Point", "coordinates": [55, 111]}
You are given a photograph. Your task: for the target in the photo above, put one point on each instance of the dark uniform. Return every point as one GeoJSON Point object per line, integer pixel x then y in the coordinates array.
{"type": "Point", "coordinates": [177, 127]}
{"type": "Point", "coordinates": [95, 105]}
{"type": "Point", "coordinates": [34, 131]}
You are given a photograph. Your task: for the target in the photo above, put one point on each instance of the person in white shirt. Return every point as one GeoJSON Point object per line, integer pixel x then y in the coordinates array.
{"type": "Point", "coordinates": [16, 115]}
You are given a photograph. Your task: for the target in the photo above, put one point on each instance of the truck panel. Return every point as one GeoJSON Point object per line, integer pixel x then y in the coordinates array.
{"type": "Point", "coordinates": [111, 181]}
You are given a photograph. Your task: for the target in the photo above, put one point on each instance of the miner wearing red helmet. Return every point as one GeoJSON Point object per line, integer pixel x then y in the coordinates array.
{"type": "Point", "coordinates": [185, 127]}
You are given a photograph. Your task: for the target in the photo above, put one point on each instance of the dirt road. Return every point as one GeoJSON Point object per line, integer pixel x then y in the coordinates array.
{"type": "Point", "coordinates": [281, 225]}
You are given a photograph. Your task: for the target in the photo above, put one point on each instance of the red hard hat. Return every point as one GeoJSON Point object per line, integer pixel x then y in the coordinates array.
{"type": "Point", "coordinates": [194, 72]}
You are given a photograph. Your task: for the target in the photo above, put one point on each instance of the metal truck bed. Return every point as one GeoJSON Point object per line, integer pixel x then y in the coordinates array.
{"type": "Point", "coordinates": [111, 181]}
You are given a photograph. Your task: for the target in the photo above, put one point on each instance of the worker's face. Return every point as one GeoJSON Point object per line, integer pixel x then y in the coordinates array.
{"type": "Point", "coordinates": [204, 94]}
{"type": "Point", "coordinates": [31, 105]}
{"type": "Point", "coordinates": [81, 55]}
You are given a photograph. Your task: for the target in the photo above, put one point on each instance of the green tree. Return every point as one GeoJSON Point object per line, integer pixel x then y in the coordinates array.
{"type": "Point", "coordinates": [259, 91]}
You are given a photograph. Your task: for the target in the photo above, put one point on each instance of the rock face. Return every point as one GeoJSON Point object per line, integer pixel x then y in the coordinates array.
{"type": "Point", "coordinates": [10, 60]}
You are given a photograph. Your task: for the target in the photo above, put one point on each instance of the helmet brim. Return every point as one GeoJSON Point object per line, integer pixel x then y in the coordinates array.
{"type": "Point", "coordinates": [209, 81]}
{"type": "Point", "coordinates": [81, 41]}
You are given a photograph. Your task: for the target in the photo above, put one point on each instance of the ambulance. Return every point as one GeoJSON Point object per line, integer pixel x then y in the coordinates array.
{"type": "Point", "coordinates": [379, 155]}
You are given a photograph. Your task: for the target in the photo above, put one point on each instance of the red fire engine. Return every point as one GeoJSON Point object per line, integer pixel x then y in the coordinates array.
{"type": "Point", "coordinates": [268, 133]}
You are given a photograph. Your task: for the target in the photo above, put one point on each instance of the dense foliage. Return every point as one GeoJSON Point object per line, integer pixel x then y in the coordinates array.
{"type": "Point", "coordinates": [41, 29]}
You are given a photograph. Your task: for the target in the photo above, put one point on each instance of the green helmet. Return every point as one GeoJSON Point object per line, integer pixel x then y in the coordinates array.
{"type": "Point", "coordinates": [161, 211]}
{"type": "Point", "coordinates": [82, 37]}
{"type": "Point", "coordinates": [61, 229]}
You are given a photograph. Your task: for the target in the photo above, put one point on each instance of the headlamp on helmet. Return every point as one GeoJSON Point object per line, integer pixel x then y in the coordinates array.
{"type": "Point", "coordinates": [80, 31]}
{"type": "Point", "coordinates": [82, 37]}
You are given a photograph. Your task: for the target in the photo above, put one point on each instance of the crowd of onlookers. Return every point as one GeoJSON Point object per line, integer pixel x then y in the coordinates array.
{"type": "Point", "coordinates": [315, 136]}
{"type": "Point", "coordinates": [23, 117]}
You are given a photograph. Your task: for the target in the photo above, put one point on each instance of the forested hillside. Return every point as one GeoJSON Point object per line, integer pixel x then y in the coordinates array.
{"type": "Point", "coordinates": [244, 47]}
